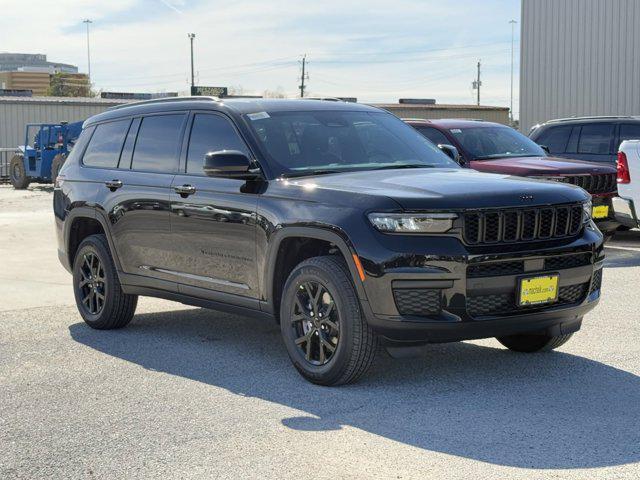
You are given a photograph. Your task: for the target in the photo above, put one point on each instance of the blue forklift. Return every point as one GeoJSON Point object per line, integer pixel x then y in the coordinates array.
{"type": "Point", "coordinates": [41, 160]}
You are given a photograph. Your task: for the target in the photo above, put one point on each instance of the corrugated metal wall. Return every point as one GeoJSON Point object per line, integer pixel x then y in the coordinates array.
{"type": "Point", "coordinates": [579, 57]}
{"type": "Point", "coordinates": [14, 115]}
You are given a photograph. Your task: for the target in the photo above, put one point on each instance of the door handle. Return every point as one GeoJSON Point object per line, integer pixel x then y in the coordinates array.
{"type": "Point", "coordinates": [113, 185]}
{"type": "Point", "coordinates": [185, 190]}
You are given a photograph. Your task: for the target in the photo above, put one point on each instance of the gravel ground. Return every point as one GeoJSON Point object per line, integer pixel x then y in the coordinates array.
{"type": "Point", "coordinates": [191, 393]}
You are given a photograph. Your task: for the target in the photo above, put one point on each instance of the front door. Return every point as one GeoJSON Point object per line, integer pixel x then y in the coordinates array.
{"type": "Point", "coordinates": [213, 220]}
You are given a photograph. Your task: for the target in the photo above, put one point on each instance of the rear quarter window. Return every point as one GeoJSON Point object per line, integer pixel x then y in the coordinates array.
{"type": "Point", "coordinates": [629, 131]}
{"type": "Point", "coordinates": [105, 144]}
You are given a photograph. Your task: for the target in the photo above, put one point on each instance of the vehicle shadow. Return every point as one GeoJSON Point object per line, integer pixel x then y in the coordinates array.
{"type": "Point", "coordinates": [552, 410]}
{"type": "Point", "coordinates": [619, 251]}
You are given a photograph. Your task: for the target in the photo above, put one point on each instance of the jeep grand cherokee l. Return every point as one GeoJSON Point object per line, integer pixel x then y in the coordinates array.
{"type": "Point", "coordinates": [495, 148]}
{"type": "Point", "coordinates": [337, 220]}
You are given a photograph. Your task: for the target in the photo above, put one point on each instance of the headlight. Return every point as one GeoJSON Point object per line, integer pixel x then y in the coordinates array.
{"type": "Point", "coordinates": [412, 223]}
{"type": "Point", "coordinates": [587, 210]}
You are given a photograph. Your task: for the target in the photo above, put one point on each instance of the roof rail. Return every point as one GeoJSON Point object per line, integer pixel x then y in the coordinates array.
{"type": "Point", "coordinates": [166, 100]}
{"type": "Point", "coordinates": [592, 117]}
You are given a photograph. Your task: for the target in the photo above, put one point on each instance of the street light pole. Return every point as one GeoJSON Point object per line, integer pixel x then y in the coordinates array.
{"type": "Point", "coordinates": [513, 25]}
{"type": "Point", "coordinates": [87, 22]}
{"type": "Point", "coordinates": [193, 84]}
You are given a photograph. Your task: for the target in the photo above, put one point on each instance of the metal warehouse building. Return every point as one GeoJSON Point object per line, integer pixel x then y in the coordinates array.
{"type": "Point", "coordinates": [16, 112]}
{"type": "Point", "coordinates": [579, 58]}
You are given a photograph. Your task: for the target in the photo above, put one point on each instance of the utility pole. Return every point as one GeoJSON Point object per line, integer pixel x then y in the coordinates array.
{"type": "Point", "coordinates": [193, 83]}
{"type": "Point", "coordinates": [87, 22]}
{"type": "Point", "coordinates": [304, 76]}
{"type": "Point", "coordinates": [513, 25]}
{"type": "Point", "coordinates": [476, 84]}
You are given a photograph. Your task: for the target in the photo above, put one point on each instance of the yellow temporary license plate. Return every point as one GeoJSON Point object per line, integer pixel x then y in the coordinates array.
{"type": "Point", "coordinates": [538, 290]}
{"type": "Point", "coordinates": [600, 211]}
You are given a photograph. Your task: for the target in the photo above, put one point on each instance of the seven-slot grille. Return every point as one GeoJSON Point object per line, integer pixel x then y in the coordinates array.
{"type": "Point", "coordinates": [522, 225]}
{"type": "Point", "coordinates": [604, 183]}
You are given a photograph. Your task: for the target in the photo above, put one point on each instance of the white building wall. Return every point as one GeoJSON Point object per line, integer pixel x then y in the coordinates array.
{"type": "Point", "coordinates": [579, 58]}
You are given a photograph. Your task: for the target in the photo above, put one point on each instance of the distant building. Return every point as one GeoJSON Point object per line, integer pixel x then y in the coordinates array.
{"type": "Point", "coordinates": [578, 58]}
{"type": "Point", "coordinates": [430, 110]}
{"type": "Point", "coordinates": [34, 62]}
{"type": "Point", "coordinates": [39, 82]}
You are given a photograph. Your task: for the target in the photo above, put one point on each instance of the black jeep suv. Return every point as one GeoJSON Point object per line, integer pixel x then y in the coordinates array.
{"type": "Point", "coordinates": [337, 220]}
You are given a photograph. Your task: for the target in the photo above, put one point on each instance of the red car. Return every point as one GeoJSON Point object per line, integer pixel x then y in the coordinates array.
{"type": "Point", "coordinates": [495, 148]}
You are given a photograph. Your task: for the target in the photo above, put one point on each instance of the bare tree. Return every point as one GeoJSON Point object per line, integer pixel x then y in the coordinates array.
{"type": "Point", "coordinates": [277, 93]}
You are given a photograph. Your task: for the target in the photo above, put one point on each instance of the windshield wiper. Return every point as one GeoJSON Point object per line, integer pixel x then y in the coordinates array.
{"type": "Point", "coordinates": [411, 165]}
{"type": "Point", "coordinates": [309, 173]}
{"type": "Point", "coordinates": [504, 155]}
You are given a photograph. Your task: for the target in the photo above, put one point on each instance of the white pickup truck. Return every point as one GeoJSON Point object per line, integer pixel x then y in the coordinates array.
{"type": "Point", "coordinates": [627, 205]}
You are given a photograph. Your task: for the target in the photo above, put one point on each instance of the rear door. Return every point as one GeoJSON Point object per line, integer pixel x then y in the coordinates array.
{"type": "Point", "coordinates": [136, 194]}
{"type": "Point", "coordinates": [213, 220]}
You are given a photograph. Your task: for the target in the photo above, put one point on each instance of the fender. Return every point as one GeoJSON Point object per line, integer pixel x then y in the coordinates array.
{"type": "Point", "coordinates": [335, 236]}
{"type": "Point", "coordinates": [88, 212]}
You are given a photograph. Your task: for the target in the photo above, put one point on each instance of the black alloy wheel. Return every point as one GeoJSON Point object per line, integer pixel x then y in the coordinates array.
{"type": "Point", "coordinates": [324, 330]}
{"type": "Point", "coordinates": [316, 323]}
{"type": "Point", "coordinates": [92, 284]}
{"type": "Point", "coordinates": [96, 286]}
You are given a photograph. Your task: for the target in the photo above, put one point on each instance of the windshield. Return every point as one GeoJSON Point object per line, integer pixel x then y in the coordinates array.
{"type": "Point", "coordinates": [317, 142]}
{"type": "Point", "coordinates": [492, 142]}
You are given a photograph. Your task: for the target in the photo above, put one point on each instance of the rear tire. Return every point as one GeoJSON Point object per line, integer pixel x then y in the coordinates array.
{"type": "Point", "coordinates": [56, 165]}
{"type": "Point", "coordinates": [530, 343]}
{"type": "Point", "coordinates": [96, 286]}
{"type": "Point", "coordinates": [17, 173]}
{"type": "Point", "coordinates": [319, 303]}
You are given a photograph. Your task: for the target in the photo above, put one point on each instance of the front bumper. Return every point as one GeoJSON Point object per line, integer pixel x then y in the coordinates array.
{"type": "Point", "coordinates": [625, 212]}
{"type": "Point", "coordinates": [470, 295]}
{"type": "Point", "coordinates": [610, 223]}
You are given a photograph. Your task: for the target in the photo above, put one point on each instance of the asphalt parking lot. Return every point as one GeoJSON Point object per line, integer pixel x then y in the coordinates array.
{"type": "Point", "coordinates": [191, 393]}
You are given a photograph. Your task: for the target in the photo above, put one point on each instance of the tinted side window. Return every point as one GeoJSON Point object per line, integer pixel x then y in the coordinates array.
{"type": "Point", "coordinates": [596, 138]}
{"type": "Point", "coordinates": [211, 133]}
{"type": "Point", "coordinates": [106, 144]}
{"type": "Point", "coordinates": [555, 138]}
{"type": "Point", "coordinates": [629, 131]}
{"type": "Point", "coordinates": [436, 136]}
{"type": "Point", "coordinates": [158, 144]}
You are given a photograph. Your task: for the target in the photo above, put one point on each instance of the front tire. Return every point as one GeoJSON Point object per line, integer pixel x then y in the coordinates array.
{"type": "Point", "coordinates": [96, 287]}
{"type": "Point", "coordinates": [530, 343]}
{"type": "Point", "coordinates": [17, 173]}
{"type": "Point", "coordinates": [327, 338]}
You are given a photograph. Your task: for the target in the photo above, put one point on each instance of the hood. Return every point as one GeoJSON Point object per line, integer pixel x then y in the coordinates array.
{"type": "Point", "coordinates": [526, 166]}
{"type": "Point", "coordinates": [439, 188]}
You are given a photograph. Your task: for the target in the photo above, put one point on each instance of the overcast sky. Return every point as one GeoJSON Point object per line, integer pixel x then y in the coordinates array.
{"type": "Point", "coordinates": [375, 50]}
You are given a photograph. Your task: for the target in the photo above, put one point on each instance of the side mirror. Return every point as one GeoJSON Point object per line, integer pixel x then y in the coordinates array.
{"type": "Point", "coordinates": [228, 164]}
{"type": "Point", "coordinates": [546, 149]}
{"type": "Point", "coordinates": [451, 152]}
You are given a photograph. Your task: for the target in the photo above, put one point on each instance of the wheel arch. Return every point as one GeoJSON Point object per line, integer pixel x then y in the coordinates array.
{"type": "Point", "coordinates": [82, 222]}
{"type": "Point", "coordinates": [276, 272]}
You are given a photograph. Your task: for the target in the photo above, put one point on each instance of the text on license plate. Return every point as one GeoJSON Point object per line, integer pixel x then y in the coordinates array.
{"type": "Point", "coordinates": [600, 211]}
{"type": "Point", "coordinates": [538, 290]}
